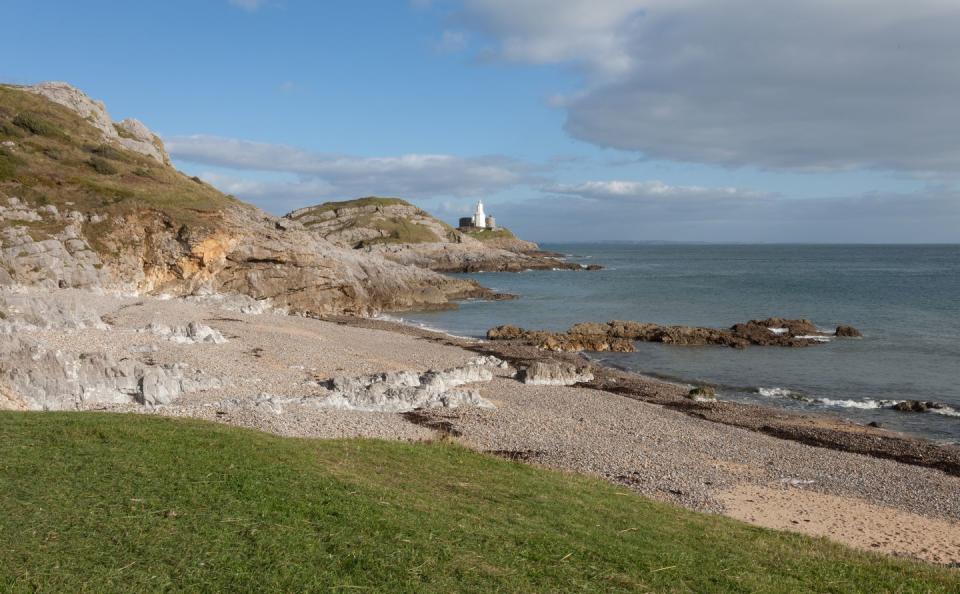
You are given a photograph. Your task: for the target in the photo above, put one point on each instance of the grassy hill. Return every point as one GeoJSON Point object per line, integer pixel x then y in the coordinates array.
{"type": "Point", "coordinates": [50, 155]}
{"type": "Point", "coordinates": [491, 234]}
{"type": "Point", "coordinates": [372, 220]}
{"type": "Point", "coordinates": [115, 503]}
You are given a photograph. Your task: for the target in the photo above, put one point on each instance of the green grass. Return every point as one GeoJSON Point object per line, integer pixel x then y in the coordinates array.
{"type": "Point", "coordinates": [355, 203]}
{"type": "Point", "coordinates": [489, 234]}
{"type": "Point", "coordinates": [63, 159]}
{"type": "Point", "coordinates": [395, 229]}
{"type": "Point", "coordinates": [125, 503]}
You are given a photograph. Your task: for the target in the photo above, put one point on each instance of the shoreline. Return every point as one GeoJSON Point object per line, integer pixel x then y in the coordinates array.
{"type": "Point", "coordinates": [821, 429]}
{"type": "Point", "coordinates": [274, 372]}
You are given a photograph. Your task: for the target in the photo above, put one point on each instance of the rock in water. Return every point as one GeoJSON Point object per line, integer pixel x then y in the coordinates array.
{"type": "Point", "coordinates": [619, 335]}
{"type": "Point", "coordinates": [702, 393]}
{"type": "Point", "coordinates": [848, 332]}
{"type": "Point", "coordinates": [554, 373]}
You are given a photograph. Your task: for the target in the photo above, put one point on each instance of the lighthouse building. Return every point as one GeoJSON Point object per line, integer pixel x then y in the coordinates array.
{"type": "Point", "coordinates": [479, 220]}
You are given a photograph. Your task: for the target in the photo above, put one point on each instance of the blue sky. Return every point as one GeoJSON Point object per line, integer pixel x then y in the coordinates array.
{"type": "Point", "coordinates": [741, 120]}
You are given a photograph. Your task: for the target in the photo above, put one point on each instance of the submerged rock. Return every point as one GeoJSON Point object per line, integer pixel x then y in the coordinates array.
{"type": "Point", "coordinates": [917, 406]}
{"type": "Point", "coordinates": [848, 332]}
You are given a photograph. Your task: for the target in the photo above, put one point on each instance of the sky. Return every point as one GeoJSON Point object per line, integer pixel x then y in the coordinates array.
{"type": "Point", "coordinates": [573, 120]}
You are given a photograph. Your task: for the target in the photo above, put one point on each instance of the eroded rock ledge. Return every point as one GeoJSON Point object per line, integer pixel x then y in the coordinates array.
{"type": "Point", "coordinates": [619, 336]}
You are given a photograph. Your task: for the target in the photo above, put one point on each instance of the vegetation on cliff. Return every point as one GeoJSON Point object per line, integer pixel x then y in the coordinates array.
{"type": "Point", "coordinates": [50, 156]}
{"type": "Point", "coordinates": [130, 503]}
{"type": "Point", "coordinates": [88, 202]}
{"type": "Point", "coordinates": [490, 234]}
{"type": "Point", "coordinates": [373, 220]}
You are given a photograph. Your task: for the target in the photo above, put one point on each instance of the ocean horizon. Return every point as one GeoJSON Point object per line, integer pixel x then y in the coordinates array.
{"type": "Point", "coordinates": [901, 296]}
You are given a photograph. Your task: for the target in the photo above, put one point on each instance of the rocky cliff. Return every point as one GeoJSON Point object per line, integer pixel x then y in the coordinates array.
{"type": "Point", "coordinates": [92, 203]}
{"type": "Point", "coordinates": [403, 233]}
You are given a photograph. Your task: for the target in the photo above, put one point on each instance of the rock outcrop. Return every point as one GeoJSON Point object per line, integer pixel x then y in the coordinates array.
{"type": "Point", "coordinates": [36, 378]}
{"type": "Point", "coordinates": [403, 233]}
{"type": "Point", "coordinates": [619, 336]}
{"type": "Point", "coordinates": [86, 202]}
{"type": "Point", "coordinates": [554, 373]}
{"type": "Point", "coordinates": [129, 133]}
{"type": "Point", "coordinates": [408, 390]}
{"type": "Point", "coordinates": [191, 333]}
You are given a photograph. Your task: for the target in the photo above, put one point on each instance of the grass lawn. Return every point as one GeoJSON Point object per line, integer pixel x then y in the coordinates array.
{"type": "Point", "coordinates": [126, 503]}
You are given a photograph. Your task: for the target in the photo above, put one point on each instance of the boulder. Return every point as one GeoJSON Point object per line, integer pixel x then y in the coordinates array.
{"type": "Point", "coordinates": [917, 406]}
{"type": "Point", "coordinates": [405, 391]}
{"type": "Point", "coordinates": [848, 332]}
{"type": "Point", "coordinates": [554, 373]}
{"type": "Point", "coordinates": [702, 393]}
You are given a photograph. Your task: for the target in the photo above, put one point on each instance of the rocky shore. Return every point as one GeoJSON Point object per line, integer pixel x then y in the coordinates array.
{"type": "Point", "coordinates": [400, 232]}
{"type": "Point", "coordinates": [126, 286]}
{"type": "Point", "coordinates": [619, 336]}
{"type": "Point", "coordinates": [236, 360]}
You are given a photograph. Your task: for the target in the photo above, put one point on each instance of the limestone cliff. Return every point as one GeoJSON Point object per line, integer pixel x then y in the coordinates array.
{"type": "Point", "coordinates": [87, 202]}
{"type": "Point", "coordinates": [403, 233]}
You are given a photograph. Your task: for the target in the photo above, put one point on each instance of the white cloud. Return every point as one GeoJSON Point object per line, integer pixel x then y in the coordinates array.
{"type": "Point", "coordinates": [249, 5]}
{"type": "Point", "coordinates": [452, 42]}
{"type": "Point", "coordinates": [646, 190]}
{"type": "Point", "coordinates": [653, 211]}
{"type": "Point", "coordinates": [411, 175]}
{"type": "Point", "coordinates": [808, 85]}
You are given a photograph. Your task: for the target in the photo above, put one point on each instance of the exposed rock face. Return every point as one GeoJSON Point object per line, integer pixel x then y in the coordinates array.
{"type": "Point", "coordinates": [61, 259]}
{"type": "Point", "coordinates": [403, 233]}
{"type": "Point", "coordinates": [32, 310]}
{"type": "Point", "coordinates": [554, 373]}
{"type": "Point", "coordinates": [129, 133]}
{"type": "Point", "coordinates": [35, 378]}
{"type": "Point", "coordinates": [115, 219]}
{"type": "Point", "coordinates": [619, 336]}
{"type": "Point", "coordinates": [407, 390]}
{"type": "Point", "coordinates": [192, 333]}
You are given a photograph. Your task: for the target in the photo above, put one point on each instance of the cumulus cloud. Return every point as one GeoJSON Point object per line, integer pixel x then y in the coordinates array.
{"type": "Point", "coordinates": [411, 175]}
{"type": "Point", "coordinates": [811, 85]}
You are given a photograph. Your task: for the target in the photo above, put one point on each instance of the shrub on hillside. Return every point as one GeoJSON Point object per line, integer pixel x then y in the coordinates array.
{"type": "Point", "coordinates": [36, 124]}
{"type": "Point", "coordinates": [102, 166]}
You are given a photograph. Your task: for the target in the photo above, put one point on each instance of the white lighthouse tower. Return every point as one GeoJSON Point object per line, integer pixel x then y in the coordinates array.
{"type": "Point", "coordinates": [479, 218]}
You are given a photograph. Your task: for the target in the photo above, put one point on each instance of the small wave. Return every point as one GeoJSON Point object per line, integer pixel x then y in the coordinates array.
{"type": "Point", "coordinates": [775, 392]}
{"type": "Point", "coordinates": [861, 404]}
{"type": "Point", "coordinates": [422, 326]}
{"type": "Point", "coordinates": [946, 411]}
{"type": "Point", "coordinates": [814, 337]}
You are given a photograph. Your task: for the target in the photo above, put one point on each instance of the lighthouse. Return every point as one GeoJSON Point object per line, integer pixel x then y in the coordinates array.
{"type": "Point", "coordinates": [479, 218]}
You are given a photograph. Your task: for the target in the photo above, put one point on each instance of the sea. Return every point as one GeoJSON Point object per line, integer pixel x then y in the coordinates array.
{"type": "Point", "coordinates": [904, 298]}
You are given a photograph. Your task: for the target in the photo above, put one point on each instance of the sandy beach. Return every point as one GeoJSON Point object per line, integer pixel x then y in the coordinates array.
{"type": "Point", "coordinates": [273, 367]}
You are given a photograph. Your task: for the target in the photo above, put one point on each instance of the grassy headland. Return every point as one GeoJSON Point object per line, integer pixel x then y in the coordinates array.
{"type": "Point", "coordinates": [96, 502]}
